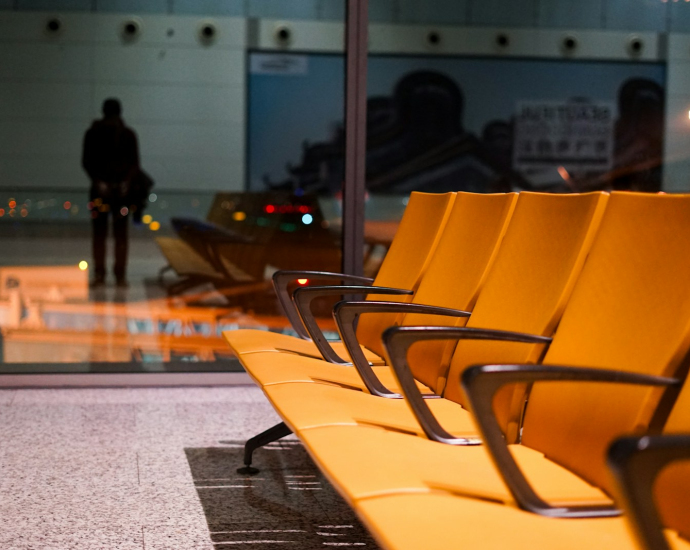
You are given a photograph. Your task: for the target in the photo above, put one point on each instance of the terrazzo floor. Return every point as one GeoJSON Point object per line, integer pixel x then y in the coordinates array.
{"type": "Point", "coordinates": [153, 469]}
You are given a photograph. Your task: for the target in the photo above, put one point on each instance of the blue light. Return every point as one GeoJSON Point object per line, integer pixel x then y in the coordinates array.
{"type": "Point", "coordinates": [307, 219]}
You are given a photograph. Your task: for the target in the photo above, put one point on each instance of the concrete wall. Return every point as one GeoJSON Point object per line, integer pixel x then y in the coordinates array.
{"type": "Point", "coordinates": [184, 98]}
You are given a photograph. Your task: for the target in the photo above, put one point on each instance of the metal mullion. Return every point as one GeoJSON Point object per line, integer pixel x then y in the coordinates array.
{"type": "Point", "coordinates": [355, 136]}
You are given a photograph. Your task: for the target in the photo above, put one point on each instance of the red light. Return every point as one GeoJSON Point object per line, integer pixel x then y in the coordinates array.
{"type": "Point", "coordinates": [2, 211]}
{"type": "Point", "coordinates": [13, 204]}
{"type": "Point", "coordinates": [303, 281]}
{"type": "Point", "coordinates": [304, 209]}
{"type": "Point", "coordinates": [67, 205]}
{"type": "Point", "coordinates": [269, 208]}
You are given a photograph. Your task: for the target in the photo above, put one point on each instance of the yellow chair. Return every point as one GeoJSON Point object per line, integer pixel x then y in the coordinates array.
{"type": "Point", "coordinates": [455, 275]}
{"type": "Point", "coordinates": [542, 252]}
{"type": "Point", "coordinates": [632, 267]}
{"type": "Point", "coordinates": [406, 261]}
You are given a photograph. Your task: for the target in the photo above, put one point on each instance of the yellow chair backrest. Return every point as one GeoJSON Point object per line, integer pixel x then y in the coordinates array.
{"type": "Point", "coordinates": [542, 253]}
{"type": "Point", "coordinates": [407, 259]}
{"type": "Point", "coordinates": [630, 310]}
{"type": "Point", "coordinates": [457, 272]}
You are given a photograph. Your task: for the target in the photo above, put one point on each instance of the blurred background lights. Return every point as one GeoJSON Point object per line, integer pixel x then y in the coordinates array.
{"type": "Point", "coordinates": [83, 265]}
{"type": "Point", "coordinates": [154, 226]}
{"type": "Point", "coordinates": [147, 219]}
{"type": "Point", "coordinates": [153, 197]}
{"type": "Point", "coordinates": [239, 216]}
{"type": "Point", "coordinates": [303, 281]}
{"type": "Point", "coordinates": [307, 219]}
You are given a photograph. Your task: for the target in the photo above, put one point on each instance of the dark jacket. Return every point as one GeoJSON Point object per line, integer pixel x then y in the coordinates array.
{"type": "Point", "coordinates": [110, 153]}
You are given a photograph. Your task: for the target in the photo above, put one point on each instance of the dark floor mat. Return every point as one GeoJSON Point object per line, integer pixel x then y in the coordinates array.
{"type": "Point", "coordinates": [289, 503]}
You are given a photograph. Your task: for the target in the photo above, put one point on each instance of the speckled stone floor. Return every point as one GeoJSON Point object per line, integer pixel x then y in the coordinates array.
{"type": "Point", "coordinates": [153, 469]}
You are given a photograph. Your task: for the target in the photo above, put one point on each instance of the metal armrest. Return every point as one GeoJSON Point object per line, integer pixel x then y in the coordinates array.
{"type": "Point", "coordinates": [397, 341]}
{"type": "Point", "coordinates": [304, 296]}
{"type": "Point", "coordinates": [346, 315]}
{"type": "Point", "coordinates": [281, 280]}
{"type": "Point", "coordinates": [481, 384]}
{"type": "Point", "coordinates": [635, 463]}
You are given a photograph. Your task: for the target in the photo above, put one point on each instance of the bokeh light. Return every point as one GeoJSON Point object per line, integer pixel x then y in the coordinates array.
{"type": "Point", "coordinates": [147, 219]}
{"type": "Point", "coordinates": [154, 226]}
{"type": "Point", "coordinates": [83, 265]}
{"type": "Point", "coordinates": [307, 219]}
{"type": "Point", "coordinates": [239, 216]}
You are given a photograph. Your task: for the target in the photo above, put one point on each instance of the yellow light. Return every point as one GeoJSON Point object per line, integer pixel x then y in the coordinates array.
{"type": "Point", "coordinates": [303, 281]}
{"type": "Point", "coordinates": [147, 219]}
{"type": "Point", "coordinates": [239, 216]}
{"type": "Point", "coordinates": [154, 226]}
{"type": "Point", "coordinates": [83, 265]}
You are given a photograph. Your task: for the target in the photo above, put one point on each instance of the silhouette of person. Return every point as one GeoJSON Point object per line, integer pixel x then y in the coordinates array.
{"type": "Point", "coordinates": [111, 159]}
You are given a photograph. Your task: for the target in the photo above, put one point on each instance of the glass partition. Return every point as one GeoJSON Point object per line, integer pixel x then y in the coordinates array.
{"type": "Point", "coordinates": [160, 135]}
{"type": "Point", "coordinates": [238, 111]}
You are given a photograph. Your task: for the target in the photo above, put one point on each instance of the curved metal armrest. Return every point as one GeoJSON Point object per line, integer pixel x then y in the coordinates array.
{"type": "Point", "coordinates": [346, 315]}
{"type": "Point", "coordinates": [481, 384]}
{"type": "Point", "coordinates": [281, 280]}
{"type": "Point", "coordinates": [397, 341]}
{"type": "Point", "coordinates": [303, 297]}
{"type": "Point", "coordinates": [635, 463]}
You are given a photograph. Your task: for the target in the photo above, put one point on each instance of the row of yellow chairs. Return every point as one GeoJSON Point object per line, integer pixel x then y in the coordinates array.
{"type": "Point", "coordinates": [507, 341]}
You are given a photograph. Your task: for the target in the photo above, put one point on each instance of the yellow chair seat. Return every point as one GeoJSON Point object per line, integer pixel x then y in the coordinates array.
{"type": "Point", "coordinates": [270, 368]}
{"type": "Point", "coordinates": [248, 341]}
{"type": "Point", "coordinates": [386, 462]}
{"type": "Point", "coordinates": [441, 521]}
{"type": "Point", "coordinates": [304, 406]}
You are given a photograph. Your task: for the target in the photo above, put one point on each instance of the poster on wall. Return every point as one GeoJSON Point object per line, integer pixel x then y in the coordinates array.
{"type": "Point", "coordinates": [573, 135]}
{"type": "Point", "coordinates": [458, 124]}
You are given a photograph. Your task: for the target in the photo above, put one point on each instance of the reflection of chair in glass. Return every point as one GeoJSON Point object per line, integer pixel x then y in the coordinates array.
{"type": "Point", "coordinates": [244, 235]}
{"type": "Point", "coordinates": [407, 259]}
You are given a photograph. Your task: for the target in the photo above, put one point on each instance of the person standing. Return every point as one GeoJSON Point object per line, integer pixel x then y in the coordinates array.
{"type": "Point", "coordinates": [111, 160]}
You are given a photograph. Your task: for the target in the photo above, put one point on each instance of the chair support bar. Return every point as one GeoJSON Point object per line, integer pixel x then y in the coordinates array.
{"type": "Point", "coordinates": [303, 297]}
{"type": "Point", "coordinates": [346, 315]}
{"type": "Point", "coordinates": [636, 463]}
{"type": "Point", "coordinates": [397, 341]}
{"type": "Point", "coordinates": [281, 280]}
{"type": "Point", "coordinates": [481, 384]}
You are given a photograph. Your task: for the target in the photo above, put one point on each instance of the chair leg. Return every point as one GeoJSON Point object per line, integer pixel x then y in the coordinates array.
{"type": "Point", "coordinates": [264, 438]}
